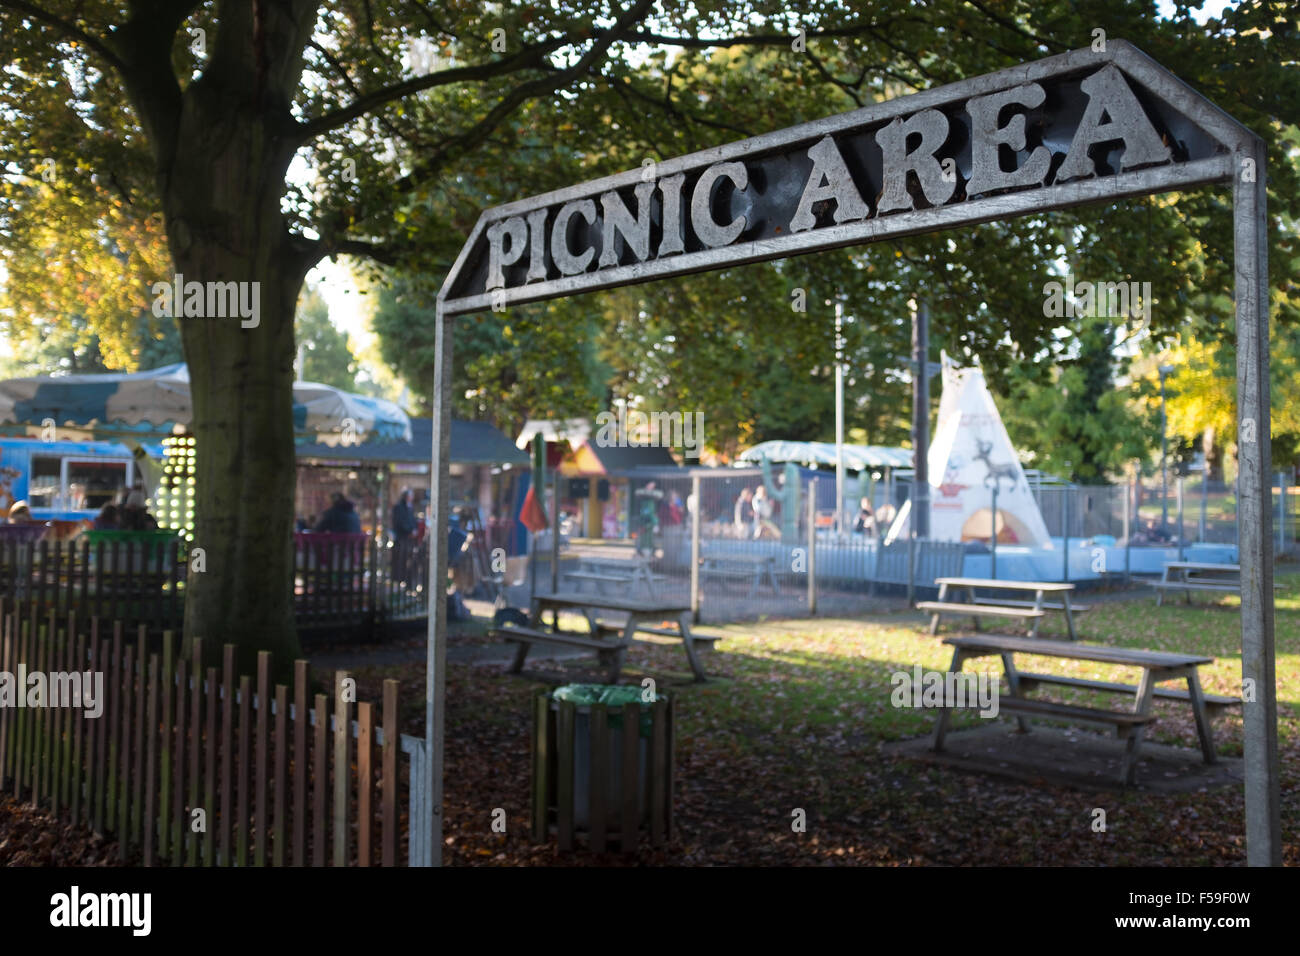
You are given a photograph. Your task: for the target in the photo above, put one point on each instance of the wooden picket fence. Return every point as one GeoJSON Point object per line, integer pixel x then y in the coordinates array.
{"type": "Point", "coordinates": [196, 766]}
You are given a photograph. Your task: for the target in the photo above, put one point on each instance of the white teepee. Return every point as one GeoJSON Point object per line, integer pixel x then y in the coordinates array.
{"type": "Point", "coordinates": [970, 455]}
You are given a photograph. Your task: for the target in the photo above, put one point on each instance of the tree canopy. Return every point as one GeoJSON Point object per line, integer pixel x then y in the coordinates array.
{"type": "Point", "coordinates": [251, 140]}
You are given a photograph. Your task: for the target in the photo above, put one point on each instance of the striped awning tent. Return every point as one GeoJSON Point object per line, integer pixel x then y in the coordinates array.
{"type": "Point", "coordinates": [815, 453]}
{"type": "Point", "coordinates": [156, 401]}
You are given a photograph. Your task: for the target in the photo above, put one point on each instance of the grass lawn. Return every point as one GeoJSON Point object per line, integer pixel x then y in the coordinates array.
{"type": "Point", "coordinates": [796, 719]}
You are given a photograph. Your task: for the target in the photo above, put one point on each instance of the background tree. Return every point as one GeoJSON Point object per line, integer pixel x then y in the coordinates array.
{"type": "Point", "coordinates": [326, 357]}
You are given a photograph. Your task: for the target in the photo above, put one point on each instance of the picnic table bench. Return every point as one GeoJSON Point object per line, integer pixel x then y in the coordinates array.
{"type": "Point", "coordinates": [978, 606]}
{"type": "Point", "coordinates": [753, 567]}
{"type": "Point", "coordinates": [610, 642]}
{"type": "Point", "coordinates": [605, 571]}
{"type": "Point", "coordinates": [1189, 576]}
{"type": "Point", "coordinates": [1157, 667]}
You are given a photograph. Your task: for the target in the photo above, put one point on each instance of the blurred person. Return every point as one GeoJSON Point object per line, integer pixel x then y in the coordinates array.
{"type": "Point", "coordinates": [134, 515]}
{"type": "Point", "coordinates": [743, 510]}
{"type": "Point", "coordinates": [107, 519]}
{"type": "Point", "coordinates": [340, 517]}
{"type": "Point", "coordinates": [403, 528]}
{"type": "Point", "coordinates": [866, 519]}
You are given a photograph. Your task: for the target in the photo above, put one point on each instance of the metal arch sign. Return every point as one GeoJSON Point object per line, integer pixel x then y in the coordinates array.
{"type": "Point", "coordinates": [1081, 127]}
{"type": "Point", "coordinates": [1075, 128]}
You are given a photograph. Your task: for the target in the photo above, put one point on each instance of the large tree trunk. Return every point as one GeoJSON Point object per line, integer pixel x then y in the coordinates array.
{"type": "Point", "coordinates": [222, 143]}
{"type": "Point", "coordinates": [224, 224]}
{"type": "Point", "coordinates": [242, 386]}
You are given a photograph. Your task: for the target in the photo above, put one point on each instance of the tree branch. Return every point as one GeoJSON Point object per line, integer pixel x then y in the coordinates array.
{"type": "Point", "coordinates": [621, 29]}
{"type": "Point", "coordinates": [70, 30]}
{"type": "Point", "coordinates": [528, 57]}
{"type": "Point", "coordinates": [313, 251]}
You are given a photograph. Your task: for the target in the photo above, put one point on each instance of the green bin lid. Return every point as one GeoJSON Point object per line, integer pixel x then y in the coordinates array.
{"type": "Point", "coordinates": [613, 696]}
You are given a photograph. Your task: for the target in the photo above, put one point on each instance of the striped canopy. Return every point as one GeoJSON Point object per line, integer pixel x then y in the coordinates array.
{"type": "Point", "coordinates": [156, 401]}
{"type": "Point", "coordinates": [856, 457]}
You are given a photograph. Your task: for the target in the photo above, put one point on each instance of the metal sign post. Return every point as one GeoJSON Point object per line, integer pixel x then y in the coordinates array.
{"type": "Point", "coordinates": [1121, 125]}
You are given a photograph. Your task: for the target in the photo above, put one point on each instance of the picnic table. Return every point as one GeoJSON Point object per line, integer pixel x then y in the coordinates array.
{"type": "Point", "coordinates": [753, 567]}
{"type": "Point", "coordinates": [627, 573]}
{"type": "Point", "coordinates": [1157, 667]}
{"type": "Point", "coordinates": [1189, 576]}
{"type": "Point", "coordinates": [609, 641]}
{"type": "Point", "coordinates": [977, 606]}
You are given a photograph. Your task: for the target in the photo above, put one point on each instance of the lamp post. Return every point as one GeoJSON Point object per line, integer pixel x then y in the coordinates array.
{"type": "Point", "coordinates": [1165, 370]}
{"type": "Point", "coordinates": [839, 419]}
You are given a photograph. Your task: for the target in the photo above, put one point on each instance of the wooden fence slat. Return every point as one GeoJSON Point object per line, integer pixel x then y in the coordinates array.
{"type": "Point", "coordinates": [77, 773]}
{"type": "Point", "coordinates": [263, 727]}
{"type": "Point", "coordinates": [22, 749]}
{"type": "Point", "coordinates": [564, 731]}
{"type": "Point", "coordinates": [658, 771]}
{"type": "Point", "coordinates": [114, 579]}
{"type": "Point", "coordinates": [599, 777]}
{"type": "Point", "coordinates": [137, 795]}
{"type": "Point", "coordinates": [320, 781]}
{"type": "Point", "coordinates": [281, 767]}
{"type": "Point", "coordinates": [71, 717]}
{"type": "Point", "coordinates": [300, 763]}
{"type": "Point", "coordinates": [365, 780]}
{"type": "Point", "coordinates": [58, 653]}
{"type": "Point", "coordinates": [541, 764]}
{"type": "Point", "coordinates": [151, 763]}
{"type": "Point", "coordinates": [670, 719]}
{"type": "Point", "coordinates": [124, 768]}
{"type": "Point", "coordinates": [34, 718]}
{"type": "Point", "coordinates": [84, 566]}
{"type": "Point", "coordinates": [165, 782]}
{"type": "Point", "coordinates": [196, 745]}
{"type": "Point", "coordinates": [6, 724]}
{"type": "Point", "coordinates": [210, 771]}
{"type": "Point", "coordinates": [392, 734]}
{"type": "Point", "coordinates": [242, 823]}
{"type": "Point", "coordinates": [99, 581]}
{"type": "Point", "coordinates": [631, 746]}
{"type": "Point", "coordinates": [19, 734]}
{"type": "Point", "coordinates": [227, 749]}
{"type": "Point", "coordinates": [38, 765]}
{"type": "Point", "coordinates": [96, 666]}
{"type": "Point", "coordinates": [42, 584]}
{"type": "Point", "coordinates": [342, 768]}
{"type": "Point", "coordinates": [173, 816]}
{"type": "Point", "coordinates": [111, 759]}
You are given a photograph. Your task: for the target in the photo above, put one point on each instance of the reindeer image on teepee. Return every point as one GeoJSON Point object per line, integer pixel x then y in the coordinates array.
{"type": "Point", "coordinates": [971, 456]}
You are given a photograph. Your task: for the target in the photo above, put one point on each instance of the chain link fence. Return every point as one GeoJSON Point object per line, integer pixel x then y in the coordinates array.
{"type": "Point", "coordinates": [737, 544]}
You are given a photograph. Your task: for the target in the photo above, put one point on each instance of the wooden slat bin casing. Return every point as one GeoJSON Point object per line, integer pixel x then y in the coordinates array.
{"type": "Point", "coordinates": [581, 783]}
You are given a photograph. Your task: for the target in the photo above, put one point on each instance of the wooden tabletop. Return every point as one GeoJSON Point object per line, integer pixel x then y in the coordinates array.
{"type": "Point", "coordinates": [739, 558]}
{"type": "Point", "coordinates": [1083, 652]}
{"type": "Point", "coordinates": [1009, 585]}
{"type": "Point", "coordinates": [637, 605]}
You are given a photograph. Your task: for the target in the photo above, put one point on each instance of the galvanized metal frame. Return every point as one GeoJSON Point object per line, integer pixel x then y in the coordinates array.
{"type": "Point", "coordinates": [1241, 163]}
